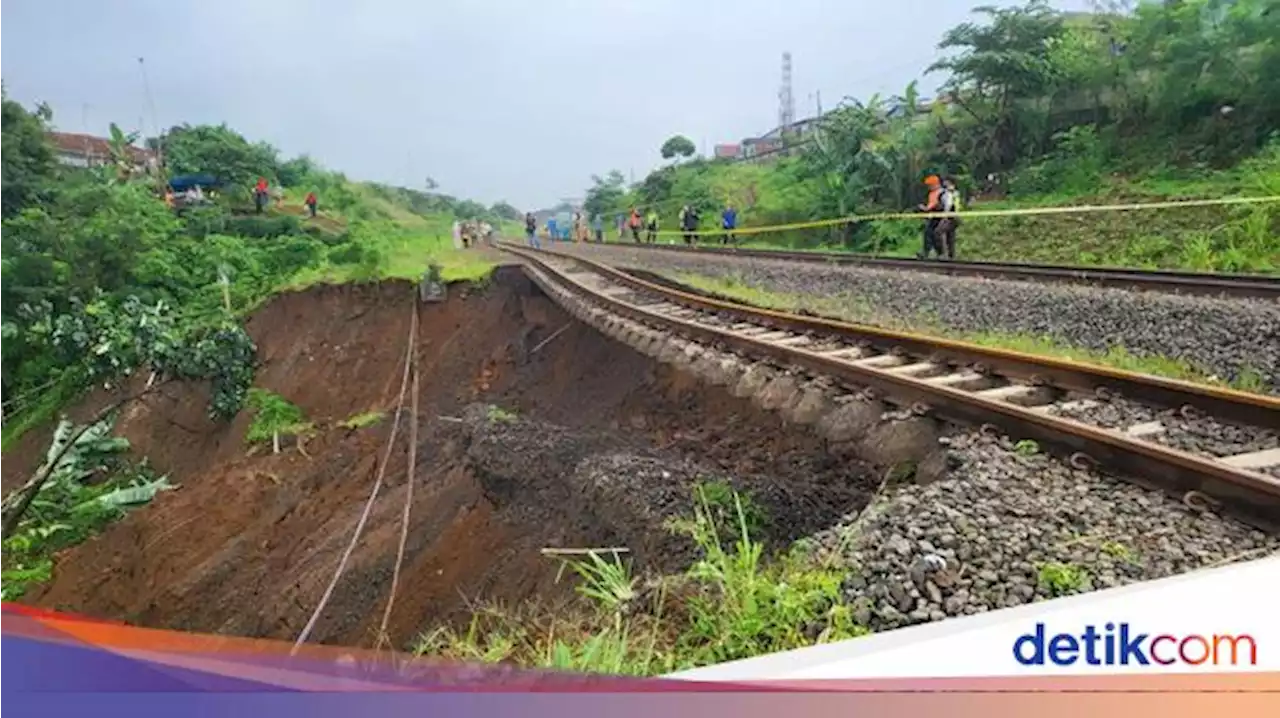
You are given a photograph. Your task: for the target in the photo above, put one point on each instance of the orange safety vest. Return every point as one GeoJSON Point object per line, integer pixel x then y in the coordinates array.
{"type": "Point", "coordinates": [933, 203]}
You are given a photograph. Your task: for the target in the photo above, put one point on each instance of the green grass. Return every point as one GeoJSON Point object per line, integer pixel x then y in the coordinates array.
{"type": "Point", "coordinates": [851, 308]}
{"type": "Point", "coordinates": [404, 254]}
{"type": "Point", "coordinates": [730, 604]}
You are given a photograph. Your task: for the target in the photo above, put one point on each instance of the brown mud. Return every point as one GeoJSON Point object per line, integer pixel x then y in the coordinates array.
{"type": "Point", "coordinates": [600, 447]}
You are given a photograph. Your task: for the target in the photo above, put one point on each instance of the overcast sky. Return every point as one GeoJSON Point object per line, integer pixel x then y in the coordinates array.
{"type": "Point", "coordinates": [514, 100]}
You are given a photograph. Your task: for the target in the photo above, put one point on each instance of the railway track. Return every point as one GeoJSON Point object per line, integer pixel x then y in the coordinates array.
{"type": "Point", "coordinates": [1254, 286]}
{"type": "Point", "coordinates": [1024, 396]}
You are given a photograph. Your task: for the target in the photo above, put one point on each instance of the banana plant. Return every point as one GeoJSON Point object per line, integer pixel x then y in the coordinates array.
{"type": "Point", "coordinates": [121, 147]}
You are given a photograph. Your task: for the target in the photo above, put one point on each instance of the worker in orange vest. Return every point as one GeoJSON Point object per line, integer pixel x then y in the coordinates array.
{"type": "Point", "coordinates": [260, 194]}
{"type": "Point", "coordinates": [932, 203]}
{"type": "Point", "coordinates": [635, 223]}
{"type": "Point", "coordinates": [310, 201]}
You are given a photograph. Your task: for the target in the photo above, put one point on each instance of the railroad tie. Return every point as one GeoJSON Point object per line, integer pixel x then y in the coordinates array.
{"type": "Point", "coordinates": [1253, 460]}
{"type": "Point", "coordinates": [915, 368]}
{"type": "Point", "coordinates": [1147, 428]}
{"type": "Point", "coordinates": [795, 341]}
{"type": "Point", "coordinates": [881, 361]}
{"type": "Point", "coordinates": [954, 379]}
{"type": "Point", "coordinates": [1008, 392]}
{"type": "Point", "coordinates": [844, 353]}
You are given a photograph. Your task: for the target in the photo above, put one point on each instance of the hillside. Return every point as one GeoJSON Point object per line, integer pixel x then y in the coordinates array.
{"type": "Point", "coordinates": [1039, 109]}
{"type": "Point", "coordinates": [101, 278]}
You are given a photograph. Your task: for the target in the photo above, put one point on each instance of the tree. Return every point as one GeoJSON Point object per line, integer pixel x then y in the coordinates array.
{"type": "Point", "coordinates": [221, 152]}
{"type": "Point", "coordinates": [120, 144]}
{"type": "Point", "coordinates": [297, 171]}
{"type": "Point", "coordinates": [605, 195]}
{"type": "Point", "coordinates": [1001, 67]}
{"type": "Point", "coordinates": [503, 210]}
{"type": "Point", "coordinates": [678, 146]}
{"type": "Point", "coordinates": [28, 160]}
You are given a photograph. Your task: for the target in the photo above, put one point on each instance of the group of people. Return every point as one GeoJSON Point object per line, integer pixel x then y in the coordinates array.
{"type": "Point", "coordinates": [263, 193]}
{"type": "Point", "coordinates": [689, 218]}
{"type": "Point", "coordinates": [939, 232]}
{"type": "Point", "coordinates": [638, 223]}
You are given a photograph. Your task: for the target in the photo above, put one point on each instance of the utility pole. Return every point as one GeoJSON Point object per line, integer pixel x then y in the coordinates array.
{"type": "Point", "coordinates": [786, 101]}
{"type": "Point", "coordinates": [155, 121]}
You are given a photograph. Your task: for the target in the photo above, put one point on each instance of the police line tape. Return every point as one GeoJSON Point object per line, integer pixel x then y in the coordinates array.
{"type": "Point", "coordinates": [1025, 212]}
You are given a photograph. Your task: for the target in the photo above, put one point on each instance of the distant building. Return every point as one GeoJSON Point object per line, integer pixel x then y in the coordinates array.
{"type": "Point", "coordinates": [728, 152]}
{"type": "Point", "coordinates": [77, 150]}
{"type": "Point", "coordinates": [780, 141]}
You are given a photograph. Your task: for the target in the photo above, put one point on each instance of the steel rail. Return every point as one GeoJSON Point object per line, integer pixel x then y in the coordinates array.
{"type": "Point", "coordinates": [1253, 286]}
{"type": "Point", "coordinates": [1253, 496]}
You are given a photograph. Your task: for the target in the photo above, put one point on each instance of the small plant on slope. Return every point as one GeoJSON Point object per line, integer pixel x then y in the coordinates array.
{"type": "Point", "coordinates": [360, 421]}
{"type": "Point", "coordinates": [275, 417]}
{"type": "Point", "coordinates": [498, 415]}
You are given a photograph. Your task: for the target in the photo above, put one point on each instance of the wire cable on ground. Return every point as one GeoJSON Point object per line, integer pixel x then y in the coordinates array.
{"type": "Point", "coordinates": [377, 486]}
{"type": "Point", "coordinates": [408, 504]}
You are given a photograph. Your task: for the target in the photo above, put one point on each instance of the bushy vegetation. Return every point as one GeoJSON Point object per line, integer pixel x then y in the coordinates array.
{"type": "Point", "coordinates": [90, 484]}
{"type": "Point", "coordinates": [102, 279]}
{"type": "Point", "coordinates": [1128, 103]}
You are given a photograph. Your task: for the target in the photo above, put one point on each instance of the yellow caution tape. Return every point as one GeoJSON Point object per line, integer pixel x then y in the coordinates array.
{"type": "Point", "coordinates": [1026, 212]}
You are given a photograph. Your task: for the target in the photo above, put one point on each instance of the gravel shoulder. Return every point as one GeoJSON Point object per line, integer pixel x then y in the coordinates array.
{"type": "Point", "coordinates": [1009, 528]}
{"type": "Point", "coordinates": [1220, 337]}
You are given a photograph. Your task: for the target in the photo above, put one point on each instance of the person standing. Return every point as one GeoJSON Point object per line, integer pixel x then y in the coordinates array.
{"type": "Point", "coordinates": [635, 225]}
{"type": "Point", "coordinates": [932, 203]}
{"type": "Point", "coordinates": [260, 195]}
{"type": "Point", "coordinates": [729, 222]}
{"type": "Point", "coordinates": [597, 227]}
{"type": "Point", "coordinates": [310, 201]}
{"type": "Point", "coordinates": [531, 230]}
{"type": "Point", "coordinates": [946, 232]}
{"type": "Point", "coordinates": [457, 234]}
{"type": "Point", "coordinates": [689, 223]}
{"type": "Point", "coordinates": [622, 223]}
{"type": "Point", "coordinates": [651, 224]}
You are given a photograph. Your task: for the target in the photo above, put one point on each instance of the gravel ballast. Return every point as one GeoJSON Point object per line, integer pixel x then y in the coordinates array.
{"type": "Point", "coordinates": [1007, 528]}
{"type": "Point", "coordinates": [1221, 337]}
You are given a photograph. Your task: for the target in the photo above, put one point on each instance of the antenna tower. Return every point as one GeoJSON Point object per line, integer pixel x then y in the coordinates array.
{"type": "Point", "coordinates": [786, 101]}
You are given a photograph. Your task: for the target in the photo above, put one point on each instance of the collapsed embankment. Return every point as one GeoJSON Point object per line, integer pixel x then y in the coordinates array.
{"type": "Point", "coordinates": [600, 447]}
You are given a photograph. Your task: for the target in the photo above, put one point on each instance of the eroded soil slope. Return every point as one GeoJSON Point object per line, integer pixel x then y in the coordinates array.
{"type": "Point", "coordinates": [601, 446]}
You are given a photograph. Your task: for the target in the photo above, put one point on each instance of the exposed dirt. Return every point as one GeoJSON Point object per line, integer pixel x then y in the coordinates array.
{"type": "Point", "coordinates": [604, 445]}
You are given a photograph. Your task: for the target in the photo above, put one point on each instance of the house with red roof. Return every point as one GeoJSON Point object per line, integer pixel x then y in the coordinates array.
{"type": "Point", "coordinates": [77, 150]}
